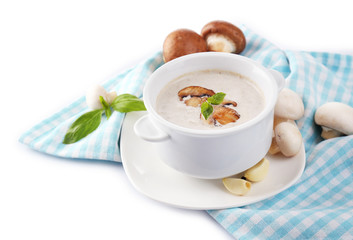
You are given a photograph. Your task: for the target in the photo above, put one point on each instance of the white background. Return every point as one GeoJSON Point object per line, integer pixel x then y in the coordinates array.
{"type": "Point", "coordinates": [52, 51]}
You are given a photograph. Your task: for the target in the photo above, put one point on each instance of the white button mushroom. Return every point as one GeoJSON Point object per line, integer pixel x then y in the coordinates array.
{"type": "Point", "coordinates": [288, 138]}
{"type": "Point", "coordinates": [93, 94]}
{"type": "Point", "coordinates": [274, 148]}
{"type": "Point", "coordinates": [335, 118]}
{"type": "Point", "coordinates": [289, 105]}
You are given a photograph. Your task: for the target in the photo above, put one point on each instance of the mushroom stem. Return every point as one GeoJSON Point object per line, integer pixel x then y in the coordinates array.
{"type": "Point", "coordinates": [218, 43]}
{"type": "Point", "coordinates": [328, 133]}
{"type": "Point", "coordinates": [274, 148]}
{"type": "Point", "coordinates": [223, 36]}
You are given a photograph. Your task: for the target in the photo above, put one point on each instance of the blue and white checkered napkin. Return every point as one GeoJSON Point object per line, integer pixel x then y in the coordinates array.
{"type": "Point", "coordinates": [318, 206]}
{"type": "Point", "coordinates": [102, 144]}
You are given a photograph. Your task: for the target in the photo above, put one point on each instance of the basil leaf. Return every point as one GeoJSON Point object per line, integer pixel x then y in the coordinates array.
{"type": "Point", "coordinates": [206, 109]}
{"type": "Point", "coordinates": [106, 107]}
{"type": "Point", "coordinates": [83, 126]}
{"type": "Point", "coordinates": [125, 96]}
{"type": "Point", "coordinates": [217, 98]}
{"type": "Point", "coordinates": [128, 103]}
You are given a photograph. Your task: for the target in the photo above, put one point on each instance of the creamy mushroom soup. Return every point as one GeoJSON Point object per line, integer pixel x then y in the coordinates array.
{"type": "Point", "coordinates": [181, 99]}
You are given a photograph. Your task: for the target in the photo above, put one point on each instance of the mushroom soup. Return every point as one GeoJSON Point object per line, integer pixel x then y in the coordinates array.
{"type": "Point", "coordinates": [210, 99]}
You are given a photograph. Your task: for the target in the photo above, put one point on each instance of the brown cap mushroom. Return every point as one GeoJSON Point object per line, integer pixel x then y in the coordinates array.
{"type": "Point", "coordinates": [182, 42]}
{"type": "Point", "coordinates": [195, 91]}
{"type": "Point", "coordinates": [335, 118]}
{"type": "Point", "coordinates": [223, 36]}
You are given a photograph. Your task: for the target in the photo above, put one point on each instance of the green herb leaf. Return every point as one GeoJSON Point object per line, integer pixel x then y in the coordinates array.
{"type": "Point", "coordinates": [90, 121]}
{"type": "Point", "coordinates": [128, 103]}
{"type": "Point", "coordinates": [106, 107]}
{"type": "Point", "coordinates": [217, 98]}
{"type": "Point", "coordinates": [206, 109]}
{"type": "Point", "coordinates": [83, 126]}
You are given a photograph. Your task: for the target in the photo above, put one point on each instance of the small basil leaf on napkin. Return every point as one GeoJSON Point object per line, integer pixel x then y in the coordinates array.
{"type": "Point", "coordinates": [217, 98]}
{"type": "Point", "coordinates": [83, 126]}
{"type": "Point", "coordinates": [128, 103]}
{"type": "Point", "coordinates": [90, 121]}
{"type": "Point", "coordinates": [206, 109]}
{"type": "Point", "coordinates": [106, 107]}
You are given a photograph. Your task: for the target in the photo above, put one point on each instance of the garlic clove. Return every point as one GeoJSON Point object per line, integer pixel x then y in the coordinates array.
{"type": "Point", "coordinates": [237, 186]}
{"type": "Point", "coordinates": [258, 172]}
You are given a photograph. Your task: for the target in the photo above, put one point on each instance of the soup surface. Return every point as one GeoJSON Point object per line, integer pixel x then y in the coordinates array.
{"type": "Point", "coordinates": [180, 100]}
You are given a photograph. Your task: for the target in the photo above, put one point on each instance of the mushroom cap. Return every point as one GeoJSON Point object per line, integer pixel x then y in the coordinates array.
{"type": "Point", "coordinates": [228, 30]}
{"type": "Point", "coordinates": [335, 115]}
{"type": "Point", "coordinates": [288, 138]}
{"type": "Point", "coordinates": [289, 105]}
{"type": "Point", "coordinates": [182, 42]}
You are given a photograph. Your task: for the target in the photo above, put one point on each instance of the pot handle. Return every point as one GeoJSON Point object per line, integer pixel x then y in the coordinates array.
{"type": "Point", "coordinates": [279, 79]}
{"type": "Point", "coordinates": [146, 130]}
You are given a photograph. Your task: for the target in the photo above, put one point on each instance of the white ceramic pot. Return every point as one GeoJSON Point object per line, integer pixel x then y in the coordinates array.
{"type": "Point", "coordinates": [210, 154]}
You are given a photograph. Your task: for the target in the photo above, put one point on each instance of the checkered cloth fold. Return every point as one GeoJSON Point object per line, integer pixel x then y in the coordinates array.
{"type": "Point", "coordinates": [102, 144]}
{"type": "Point", "coordinates": [318, 206]}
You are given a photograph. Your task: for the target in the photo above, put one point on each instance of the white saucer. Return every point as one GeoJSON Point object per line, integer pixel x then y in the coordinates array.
{"type": "Point", "coordinates": [150, 176]}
